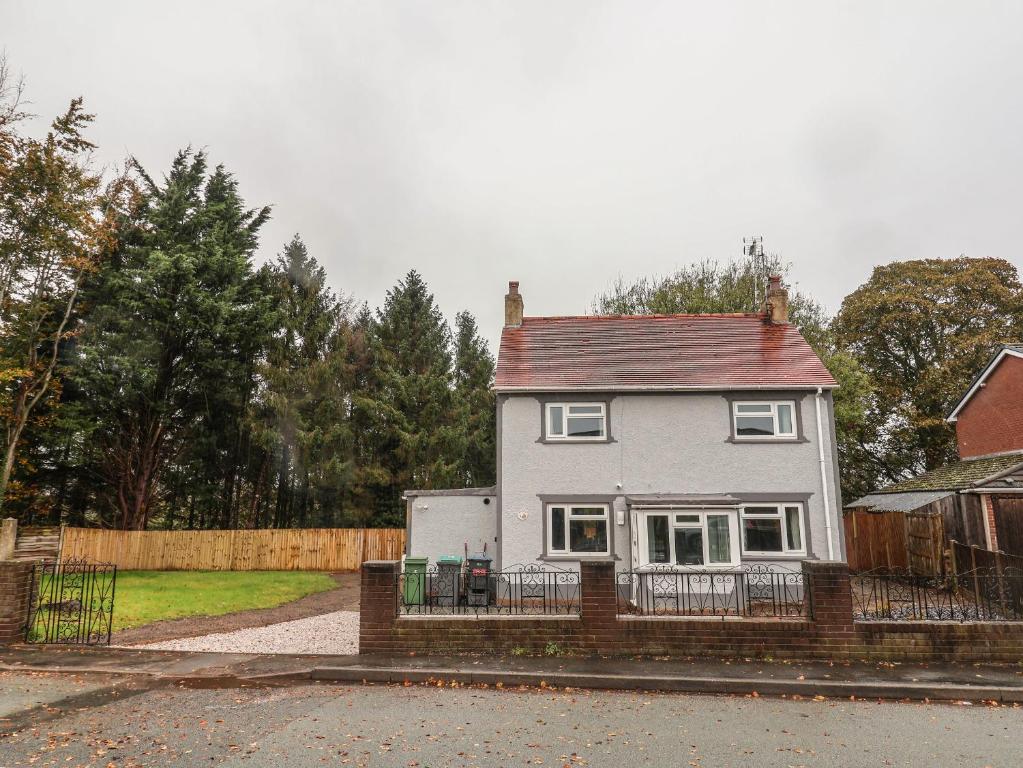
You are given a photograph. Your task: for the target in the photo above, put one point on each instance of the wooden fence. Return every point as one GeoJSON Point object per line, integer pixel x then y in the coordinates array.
{"type": "Point", "coordinates": [286, 549]}
{"type": "Point", "coordinates": [895, 541]}
{"type": "Point", "coordinates": [875, 541]}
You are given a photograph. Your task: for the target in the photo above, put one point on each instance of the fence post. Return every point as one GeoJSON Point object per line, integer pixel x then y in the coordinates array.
{"type": "Point", "coordinates": [973, 574]}
{"type": "Point", "coordinates": [1001, 581]}
{"type": "Point", "coordinates": [952, 568]}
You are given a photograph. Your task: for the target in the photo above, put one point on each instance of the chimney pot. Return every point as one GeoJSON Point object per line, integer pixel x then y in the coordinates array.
{"type": "Point", "coordinates": [513, 306]}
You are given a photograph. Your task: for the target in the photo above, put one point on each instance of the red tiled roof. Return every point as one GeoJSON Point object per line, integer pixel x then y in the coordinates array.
{"type": "Point", "coordinates": [668, 352]}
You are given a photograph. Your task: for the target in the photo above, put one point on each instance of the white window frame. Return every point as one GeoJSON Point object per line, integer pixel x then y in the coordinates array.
{"type": "Point", "coordinates": [566, 406]}
{"type": "Point", "coordinates": [567, 551]}
{"type": "Point", "coordinates": [778, 435]}
{"type": "Point", "coordinates": [780, 507]}
{"type": "Point", "coordinates": [734, 533]}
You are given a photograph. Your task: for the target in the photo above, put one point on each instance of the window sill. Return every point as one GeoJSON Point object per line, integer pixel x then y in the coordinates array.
{"type": "Point", "coordinates": [577, 557]}
{"type": "Point", "coordinates": [766, 440]}
{"type": "Point", "coordinates": [576, 441]}
{"type": "Point", "coordinates": [773, 556]}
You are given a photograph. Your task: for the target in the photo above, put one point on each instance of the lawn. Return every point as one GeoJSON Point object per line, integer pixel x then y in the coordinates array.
{"type": "Point", "coordinates": [143, 597]}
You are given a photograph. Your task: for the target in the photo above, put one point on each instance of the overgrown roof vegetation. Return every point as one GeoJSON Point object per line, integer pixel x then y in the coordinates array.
{"type": "Point", "coordinates": [957, 475]}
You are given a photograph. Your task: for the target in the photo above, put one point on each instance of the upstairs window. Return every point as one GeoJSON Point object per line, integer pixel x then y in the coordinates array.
{"type": "Point", "coordinates": [576, 421]}
{"type": "Point", "coordinates": [764, 420]}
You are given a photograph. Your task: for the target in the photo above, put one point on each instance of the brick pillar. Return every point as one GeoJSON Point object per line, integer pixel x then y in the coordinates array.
{"type": "Point", "coordinates": [377, 605]}
{"type": "Point", "coordinates": [15, 587]}
{"type": "Point", "coordinates": [8, 537]}
{"type": "Point", "coordinates": [990, 528]}
{"type": "Point", "coordinates": [832, 605]}
{"type": "Point", "coordinates": [599, 609]}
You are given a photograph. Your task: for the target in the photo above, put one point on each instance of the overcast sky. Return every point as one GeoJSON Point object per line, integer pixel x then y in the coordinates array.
{"type": "Point", "coordinates": [564, 143]}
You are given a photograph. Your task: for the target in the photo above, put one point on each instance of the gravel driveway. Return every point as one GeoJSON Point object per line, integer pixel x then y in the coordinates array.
{"type": "Point", "coordinates": [330, 633]}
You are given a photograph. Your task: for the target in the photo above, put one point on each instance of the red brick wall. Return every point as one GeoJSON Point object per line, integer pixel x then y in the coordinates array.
{"type": "Point", "coordinates": [830, 634]}
{"type": "Point", "coordinates": [15, 584]}
{"type": "Point", "coordinates": [992, 420]}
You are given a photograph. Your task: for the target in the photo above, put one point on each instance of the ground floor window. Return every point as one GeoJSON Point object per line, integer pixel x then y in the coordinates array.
{"type": "Point", "coordinates": [688, 537]}
{"type": "Point", "coordinates": [771, 529]}
{"type": "Point", "coordinates": [577, 529]}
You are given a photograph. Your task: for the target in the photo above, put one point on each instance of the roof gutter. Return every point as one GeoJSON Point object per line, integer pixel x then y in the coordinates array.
{"type": "Point", "coordinates": [656, 388]}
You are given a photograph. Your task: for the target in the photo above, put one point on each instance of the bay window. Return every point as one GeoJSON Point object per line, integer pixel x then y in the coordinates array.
{"type": "Point", "coordinates": [689, 538]}
{"type": "Point", "coordinates": [769, 529]}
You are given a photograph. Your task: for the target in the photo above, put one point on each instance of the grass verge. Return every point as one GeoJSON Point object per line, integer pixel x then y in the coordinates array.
{"type": "Point", "coordinates": [146, 596]}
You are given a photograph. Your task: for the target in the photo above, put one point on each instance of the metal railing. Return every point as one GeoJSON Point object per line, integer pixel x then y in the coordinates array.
{"type": "Point", "coordinates": [71, 603]}
{"type": "Point", "coordinates": [978, 595]}
{"type": "Point", "coordinates": [528, 590]}
{"type": "Point", "coordinates": [753, 591]}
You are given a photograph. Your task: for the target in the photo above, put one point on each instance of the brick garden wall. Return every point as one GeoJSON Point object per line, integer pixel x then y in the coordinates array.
{"type": "Point", "coordinates": [830, 634]}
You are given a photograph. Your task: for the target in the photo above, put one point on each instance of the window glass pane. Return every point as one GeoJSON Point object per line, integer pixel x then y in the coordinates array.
{"type": "Point", "coordinates": [689, 546]}
{"type": "Point", "coordinates": [760, 510]}
{"type": "Point", "coordinates": [557, 422]}
{"type": "Point", "coordinates": [584, 410]}
{"type": "Point", "coordinates": [558, 529]}
{"type": "Point", "coordinates": [687, 518]}
{"type": "Point", "coordinates": [599, 511]}
{"type": "Point", "coordinates": [719, 543]}
{"type": "Point", "coordinates": [793, 532]}
{"type": "Point", "coordinates": [785, 419]}
{"type": "Point", "coordinates": [587, 535]}
{"type": "Point", "coordinates": [753, 408]}
{"type": "Point", "coordinates": [657, 539]}
{"type": "Point", "coordinates": [754, 425]}
{"type": "Point", "coordinates": [762, 535]}
{"type": "Point", "coordinates": [585, 426]}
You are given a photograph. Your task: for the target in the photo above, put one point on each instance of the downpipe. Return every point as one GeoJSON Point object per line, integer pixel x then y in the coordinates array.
{"type": "Point", "coordinates": [824, 475]}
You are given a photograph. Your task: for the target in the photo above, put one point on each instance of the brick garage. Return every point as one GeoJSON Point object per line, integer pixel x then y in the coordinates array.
{"type": "Point", "coordinates": [598, 630]}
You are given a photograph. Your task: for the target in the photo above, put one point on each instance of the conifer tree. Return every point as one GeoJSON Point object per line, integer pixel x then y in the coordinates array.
{"type": "Point", "coordinates": [176, 322]}
{"type": "Point", "coordinates": [415, 367]}
{"type": "Point", "coordinates": [474, 379]}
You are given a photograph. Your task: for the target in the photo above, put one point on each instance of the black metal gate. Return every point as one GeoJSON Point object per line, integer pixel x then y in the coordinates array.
{"type": "Point", "coordinates": [72, 603]}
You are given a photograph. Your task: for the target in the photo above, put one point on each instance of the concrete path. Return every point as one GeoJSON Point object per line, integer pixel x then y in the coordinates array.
{"type": "Point", "coordinates": [935, 682]}
{"type": "Point", "coordinates": [134, 722]}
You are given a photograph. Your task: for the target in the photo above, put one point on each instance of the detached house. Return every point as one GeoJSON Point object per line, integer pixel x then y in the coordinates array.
{"type": "Point", "coordinates": [686, 441]}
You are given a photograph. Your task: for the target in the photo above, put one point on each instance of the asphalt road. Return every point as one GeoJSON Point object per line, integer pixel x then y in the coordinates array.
{"type": "Point", "coordinates": [102, 721]}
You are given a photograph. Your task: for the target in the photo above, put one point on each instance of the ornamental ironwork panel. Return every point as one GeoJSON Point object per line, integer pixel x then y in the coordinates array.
{"type": "Point", "coordinates": [71, 603]}
{"type": "Point", "coordinates": [979, 595]}
{"type": "Point", "coordinates": [528, 590]}
{"type": "Point", "coordinates": [752, 591]}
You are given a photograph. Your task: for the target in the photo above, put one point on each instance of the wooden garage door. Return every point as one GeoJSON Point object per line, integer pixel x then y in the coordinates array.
{"type": "Point", "coordinates": [1009, 523]}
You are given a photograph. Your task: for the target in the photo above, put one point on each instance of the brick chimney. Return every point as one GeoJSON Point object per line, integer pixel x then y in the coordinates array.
{"type": "Point", "coordinates": [776, 303]}
{"type": "Point", "coordinates": [513, 306]}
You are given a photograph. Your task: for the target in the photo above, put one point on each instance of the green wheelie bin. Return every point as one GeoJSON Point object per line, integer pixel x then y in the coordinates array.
{"type": "Point", "coordinates": [414, 591]}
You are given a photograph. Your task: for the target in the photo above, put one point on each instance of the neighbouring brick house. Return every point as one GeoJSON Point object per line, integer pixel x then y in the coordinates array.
{"type": "Point", "coordinates": [671, 441]}
{"type": "Point", "coordinates": [980, 497]}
